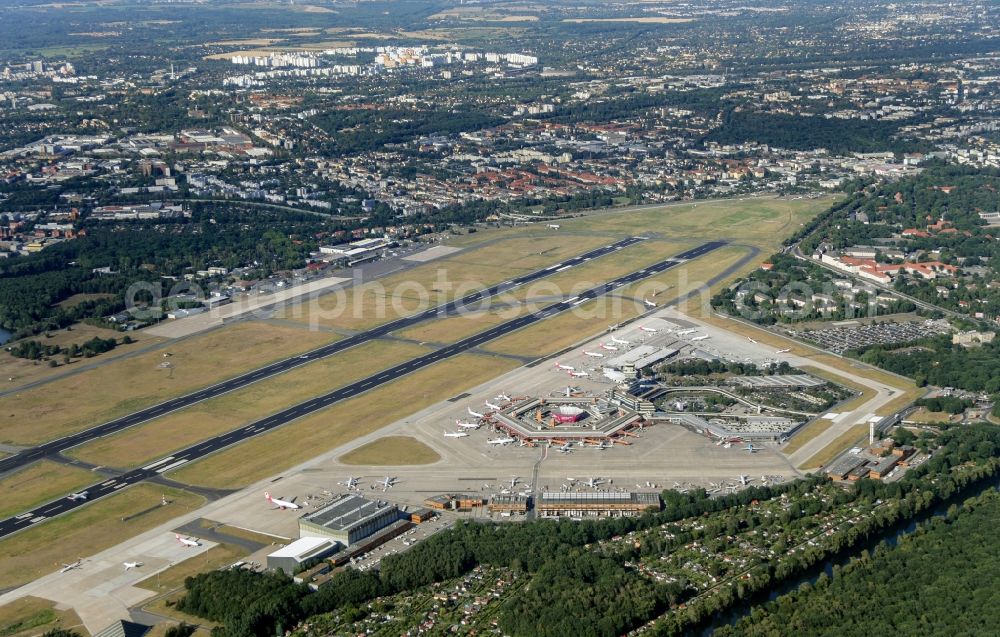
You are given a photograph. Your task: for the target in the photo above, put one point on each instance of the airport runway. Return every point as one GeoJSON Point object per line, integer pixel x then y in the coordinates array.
{"type": "Point", "coordinates": [206, 447]}
{"type": "Point", "coordinates": [466, 303]}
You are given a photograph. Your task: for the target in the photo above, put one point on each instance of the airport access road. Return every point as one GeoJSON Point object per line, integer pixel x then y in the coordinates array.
{"type": "Point", "coordinates": [467, 303]}
{"type": "Point", "coordinates": [206, 447]}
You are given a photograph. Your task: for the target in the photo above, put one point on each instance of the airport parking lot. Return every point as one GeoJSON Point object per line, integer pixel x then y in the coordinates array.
{"type": "Point", "coordinates": [844, 338]}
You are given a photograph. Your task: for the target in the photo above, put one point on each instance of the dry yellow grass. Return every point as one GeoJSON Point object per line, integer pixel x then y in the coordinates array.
{"type": "Point", "coordinates": [123, 386]}
{"type": "Point", "coordinates": [33, 616]}
{"type": "Point", "coordinates": [591, 318]}
{"type": "Point", "coordinates": [304, 439]}
{"type": "Point", "coordinates": [20, 371]}
{"type": "Point", "coordinates": [391, 451]}
{"type": "Point", "coordinates": [38, 483]}
{"type": "Point", "coordinates": [845, 440]}
{"type": "Point", "coordinates": [142, 444]}
{"type": "Point", "coordinates": [807, 433]}
{"type": "Point", "coordinates": [88, 530]}
{"type": "Point", "coordinates": [457, 327]}
{"type": "Point", "coordinates": [437, 281]}
{"type": "Point", "coordinates": [924, 416]}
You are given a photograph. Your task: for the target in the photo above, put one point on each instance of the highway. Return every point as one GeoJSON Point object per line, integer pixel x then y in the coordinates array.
{"type": "Point", "coordinates": [199, 450]}
{"type": "Point", "coordinates": [457, 306]}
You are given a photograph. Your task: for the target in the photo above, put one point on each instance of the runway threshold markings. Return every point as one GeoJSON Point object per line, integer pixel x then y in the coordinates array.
{"type": "Point", "coordinates": [192, 452]}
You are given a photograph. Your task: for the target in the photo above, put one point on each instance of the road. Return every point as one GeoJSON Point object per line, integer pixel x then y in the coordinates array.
{"type": "Point", "coordinates": [199, 450]}
{"type": "Point", "coordinates": [451, 308]}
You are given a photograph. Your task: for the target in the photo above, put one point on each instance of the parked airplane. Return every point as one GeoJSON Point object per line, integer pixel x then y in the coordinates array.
{"type": "Point", "coordinates": [567, 368]}
{"type": "Point", "coordinates": [387, 483]}
{"type": "Point", "coordinates": [744, 480]}
{"type": "Point", "coordinates": [612, 328]}
{"type": "Point", "coordinates": [648, 330]}
{"type": "Point", "coordinates": [648, 302]}
{"type": "Point", "coordinates": [687, 331]}
{"type": "Point", "coordinates": [475, 414]}
{"type": "Point", "coordinates": [490, 405]}
{"type": "Point", "coordinates": [566, 448]}
{"type": "Point", "coordinates": [578, 374]}
{"type": "Point", "coordinates": [750, 448]}
{"type": "Point", "coordinates": [751, 340]}
{"type": "Point", "coordinates": [782, 351]}
{"type": "Point", "coordinates": [350, 482]}
{"type": "Point", "coordinates": [281, 504]}
{"type": "Point", "coordinates": [513, 481]}
{"type": "Point", "coordinates": [71, 566]}
{"type": "Point", "coordinates": [500, 441]}
{"type": "Point", "coordinates": [504, 397]}
{"type": "Point", "coordinates": [610, 348]}
{"type": "Point", "coordinates": [82, 495]}
{"type": "Point", "coordinates": [187, 541]}
{"type": "Point", "coordinates": [467, 425]}
{"type": "Point", "coordinates": [131, 565]}
{"type": "Point", "coordinates": [700, 338]}
{"type": "Point", "coordinates": [554, 226]}
{"type": "Point", "coordinates": [594, 482]}
{"type": "Point", "coordinates": [455, 434]}
{"type": "Point", "coordinates": [620, 341]}
{"type": "Point", "coordinates": [593, 354]}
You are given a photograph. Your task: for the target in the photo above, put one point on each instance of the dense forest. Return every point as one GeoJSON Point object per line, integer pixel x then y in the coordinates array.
{"type": "Point", "coordinates": [937, 361]}
{"type": "Point", "coordinates": [935, 582]}
{"type": "Point", "coordinates": [795, 132]}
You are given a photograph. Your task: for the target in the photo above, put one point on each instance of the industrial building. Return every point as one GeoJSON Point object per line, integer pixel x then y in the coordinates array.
{"type": "Point", "coordinates": [508, 503]}
{"type": "Point", "coordinates": [639, 358]}
{"type": "Point", "coordinates": [289, 558]}
{"type": "Point", "coordinates": [554, 504]}
{"type": "Point", "coordinates": [349, 519]}
{"type": "Point", "coordinates": [455, 502]}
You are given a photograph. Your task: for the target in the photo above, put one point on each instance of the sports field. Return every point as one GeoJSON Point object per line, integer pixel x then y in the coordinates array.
{"type": "Point", "coordinates": [88, 530]}
{"type": "Point", "coordinates": [140, 445]}
{"type": "Point", "coordinates": [391, 451]}
{"type": "Point", "coordinates": [303, 439]}
{"type": "Point", "coordinates": [123, 386]}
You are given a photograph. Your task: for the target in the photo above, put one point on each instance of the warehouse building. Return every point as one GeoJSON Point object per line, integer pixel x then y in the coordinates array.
{"type": "Point", "coordinates": [289, 558]}
{"type": "Point", "coordinates": [603, 504]}
{"type": "Point", "coordinates": [508, 503]}
{"type": "Point", "coordinates": [348, 519]}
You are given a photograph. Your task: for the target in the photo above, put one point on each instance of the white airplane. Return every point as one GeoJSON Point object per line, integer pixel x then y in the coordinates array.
{"type": "Point", "coordinates": [744, 480]}
{"type": "Point", "coordinates": [388, 482]}
{"type": "Point", "coordinates": [187, 541]}
{"type": "Point", "coordinates": [648, 330]}
{"type": "Point", "coordinates": [578, 374]}
{"type": "Point", "coordinates": [687, 331]}
{"type": "Point", "coordinates": [475, 414]}
{"type": "Point", "coordinates": [500, 441]}
{"type": "Point", "coordinates": [281, 504]}
{"type": "Point", "coordinates": [490, 405]}
{"type": "Point", "coordinates": [610, 348]}
{"type": "Point", "coordinates": [700, 338]}
{"type": "Point", "coordinates": [131, 565]}
{"type": "Point", "coordinates": [593, 354]}
{"type": "Point", "coordinates": [71, 566]}
{"type": "Point", "coordinates": [648, 303]}
{"type": "Point", "coordinates": [750, 448]}
{"type": "Point", "coordinates": [593, 482]}
{"type": "Point", "coordinates": [612, 328]}
{"type": "Point", "coordinates": [566, 448]}
{"type": "Point", "coordinates": [467, 425]}
{"type": "Point", "coordinates": [620, 341]}
{"type": "Point", "coordinates": [782, 351]}
{"type": "Point", "coordinates": [554, 226]}
{"type": "Point", "coordinates": [504, 397]}
{"type": "Point", "coordinates": [350, 482]}
{"type": "Point", "coordinates": [82, 495]}
{"type": "Point", "coordinates": [567, 368]}
{"type": "Point", "coordinates": [751, 340]}
{"type": "Point", "coordinates": [513, 481]}
{"type": "Point", "coordinates": [455, 434]}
